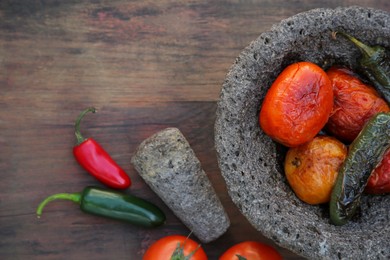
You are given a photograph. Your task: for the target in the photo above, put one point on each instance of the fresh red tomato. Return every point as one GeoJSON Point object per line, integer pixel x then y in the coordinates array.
{"type": "Point", "coordinates": [251, 250]}
{"type": "Point", "coordinates": [354, 104]}
{"type": "Point", "coordinates": [379, 181]}
{"type": "Point", "coordinates": [297, 105]}
{"type": "Point", "coordinates": [164, 249]}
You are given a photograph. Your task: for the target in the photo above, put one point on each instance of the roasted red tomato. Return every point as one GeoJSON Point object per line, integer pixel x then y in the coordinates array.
{"type": "Point", "coordinates": [354, 103]}
{"type": "Point", "coordinates": [251, 250]}
{"type": "Point", "coordinates": [176, 246]}
{"type": "Point", "coordinates": [379, 181]}
{"type": "Point", "coordinates": [297, 105]}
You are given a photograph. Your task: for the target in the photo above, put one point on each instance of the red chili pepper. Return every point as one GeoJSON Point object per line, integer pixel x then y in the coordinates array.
{"type": "Point", "coordinates": [95, 160]}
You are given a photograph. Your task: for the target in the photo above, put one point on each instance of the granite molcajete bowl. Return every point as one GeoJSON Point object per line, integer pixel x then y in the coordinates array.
{"type": "Point", "coordinates": [252, 164]}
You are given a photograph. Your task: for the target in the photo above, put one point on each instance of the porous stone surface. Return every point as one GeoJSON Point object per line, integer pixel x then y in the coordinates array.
{"type": "Point", "coordinates": [170, 167]}
{"type": "Point", "coordinates": [252, 164]}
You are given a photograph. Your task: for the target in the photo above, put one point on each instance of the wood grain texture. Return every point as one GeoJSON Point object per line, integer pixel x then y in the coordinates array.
{"type": "Point", "coordinates": [146, 65]}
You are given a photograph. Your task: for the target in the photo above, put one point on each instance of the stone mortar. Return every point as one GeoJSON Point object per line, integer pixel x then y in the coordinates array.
{"type": "Point", "coordinates": [252, 164]}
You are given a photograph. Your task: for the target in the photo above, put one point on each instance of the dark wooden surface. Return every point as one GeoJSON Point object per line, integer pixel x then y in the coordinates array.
{"type": "Point", "coordinates": [146, 65]}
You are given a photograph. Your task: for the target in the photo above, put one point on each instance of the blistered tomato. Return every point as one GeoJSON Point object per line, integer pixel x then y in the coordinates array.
{"type": "Point", "coordinates": [297, 105]}
{"type": "Point", "coordinates": [379, 181]}
{"type": "Point", "coordinates": [312, 168]}
{"type": "Point", "coordinates": [354, 103]}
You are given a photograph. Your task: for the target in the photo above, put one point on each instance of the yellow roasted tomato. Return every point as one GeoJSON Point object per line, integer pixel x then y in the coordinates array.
{"type": "Point", "coordinates": [311, 169]}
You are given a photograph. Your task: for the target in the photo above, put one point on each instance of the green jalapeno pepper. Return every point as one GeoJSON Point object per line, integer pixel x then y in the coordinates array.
{"type": "Point", "coordinates": [375, 62]}
{"type": "Point", "coordinates": [112, 204]}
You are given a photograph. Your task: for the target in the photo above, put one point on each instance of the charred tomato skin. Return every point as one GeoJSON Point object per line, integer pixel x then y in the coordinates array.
{"type": "Point", "coordinates": [311, 169]}
{"type": "Point", "coordinates": [379, 181]}
{"type": "Point", "coordinates": [297, 105]}
{"type": "Point", "coordinates": [354, 104]}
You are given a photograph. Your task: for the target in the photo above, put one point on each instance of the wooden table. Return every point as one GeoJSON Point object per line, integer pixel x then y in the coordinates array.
{"type": "Point", "coordinates": [146, 65]}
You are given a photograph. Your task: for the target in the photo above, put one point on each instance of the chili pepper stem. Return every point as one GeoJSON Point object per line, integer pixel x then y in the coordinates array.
{"type": "Point", "coordinates": [77, 132]}
{"type": "Point", "coordinates": [75, 197]}
{"type": "Point", "coordinates": [367, 50]}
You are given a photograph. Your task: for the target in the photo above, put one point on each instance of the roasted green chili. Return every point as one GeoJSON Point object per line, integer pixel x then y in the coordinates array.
{"type": "Point", "coordinates": [375, 62]}
{"type": "Point", "coordinates": [365, 152]}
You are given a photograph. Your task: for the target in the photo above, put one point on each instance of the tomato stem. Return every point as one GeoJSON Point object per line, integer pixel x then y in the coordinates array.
{"type": "Point", "coordinates": [240, 257]}
{"type": "Point", "coordinates": [178, 254]}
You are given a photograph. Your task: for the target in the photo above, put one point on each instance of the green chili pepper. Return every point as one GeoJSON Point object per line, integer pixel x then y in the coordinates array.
{"type": "Point", "coordinates": [375, 62]}
{"type": "Point", "coordinates": [112, 204]}
{"type": "Point", "coordinates": [365, 152]}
